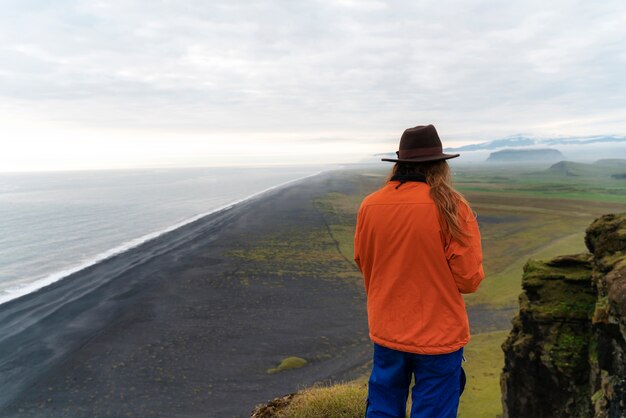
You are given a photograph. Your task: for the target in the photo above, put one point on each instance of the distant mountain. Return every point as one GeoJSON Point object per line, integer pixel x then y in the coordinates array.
{"type": "Point", "coordinates": [537, 155]}
{"type": "Point", "coordinates": [525, 141]}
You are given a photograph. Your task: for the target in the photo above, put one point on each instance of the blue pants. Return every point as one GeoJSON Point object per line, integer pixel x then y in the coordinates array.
{"type": "Point", "coordinates": [439, 382]}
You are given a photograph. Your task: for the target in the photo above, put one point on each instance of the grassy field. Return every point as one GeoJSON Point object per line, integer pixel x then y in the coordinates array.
{"type": "Point", "coordinates": [533, 213]}
{"type": "Point", "coordinates": [484, 363]}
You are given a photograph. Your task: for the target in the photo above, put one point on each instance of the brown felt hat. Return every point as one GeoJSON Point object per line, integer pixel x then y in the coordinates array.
{"type": "Point", "coordinates": [418, 144]}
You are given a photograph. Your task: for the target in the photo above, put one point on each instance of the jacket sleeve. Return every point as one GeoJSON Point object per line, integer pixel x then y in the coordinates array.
{"type": "Point", "coordinates": [465, 260]}
{"type": "Point", "coordinates": [357, 241]}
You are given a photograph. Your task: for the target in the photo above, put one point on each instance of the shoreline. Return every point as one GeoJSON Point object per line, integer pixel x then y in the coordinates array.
{"type": "Point", "coordinates": [54, 277]}
{"type": "Point", "coordinates": [53, 334]}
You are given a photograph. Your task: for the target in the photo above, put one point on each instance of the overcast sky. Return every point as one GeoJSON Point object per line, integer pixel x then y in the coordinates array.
{"type": "Point", "coordinates": [147, 82]}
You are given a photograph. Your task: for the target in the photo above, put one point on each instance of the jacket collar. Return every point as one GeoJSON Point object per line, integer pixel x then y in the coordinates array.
{"type": "Point", "coordinates": [403, 178]}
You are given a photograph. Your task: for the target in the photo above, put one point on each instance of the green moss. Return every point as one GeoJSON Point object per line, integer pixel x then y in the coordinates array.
{"type": "Point", "coordinates": [536, 272]}
{"type": "Point", "coordinates": [559, 288]}
{"type": "Point", "coordinates": [287, 364]}
{"type": "Point", "coordinates": [570, 350]}
{"type": "Point", "coordinates": [566, 308]}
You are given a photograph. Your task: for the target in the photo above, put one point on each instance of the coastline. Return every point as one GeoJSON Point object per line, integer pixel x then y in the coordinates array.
{"type": "Point", "coordinates": [86, 343]}
{"type": "Point", "coordinates": [125, 246]}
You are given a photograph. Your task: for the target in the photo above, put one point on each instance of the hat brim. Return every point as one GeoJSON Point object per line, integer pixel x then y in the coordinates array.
{"type": "Point", "coordinates": [435, 157]}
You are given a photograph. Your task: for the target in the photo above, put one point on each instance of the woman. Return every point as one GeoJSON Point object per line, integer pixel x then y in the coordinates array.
{"type": "Point", "coordinates": [417, 244]}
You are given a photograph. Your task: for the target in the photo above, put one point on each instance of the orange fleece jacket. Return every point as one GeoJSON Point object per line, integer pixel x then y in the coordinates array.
{"type": "Point", "coordinates": [414, 273]}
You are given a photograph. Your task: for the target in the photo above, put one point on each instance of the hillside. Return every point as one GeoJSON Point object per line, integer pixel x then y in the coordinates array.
{"type": "Point", "coordinates": [612, 162]}
{"type": "Point", "coordinates": [570, 168]}
{"type": "Point", "coordinates": [609, 168]}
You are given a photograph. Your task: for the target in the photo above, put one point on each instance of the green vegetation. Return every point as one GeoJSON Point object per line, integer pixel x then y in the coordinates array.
{"type": "Point", "coordinates": [559, 288]}
{"type": "Point", "coordinates": [339, 212]}
{"type": "Point", "coordinates": [287, 364]}
{"type": "Point", "coordinates": [480, 399]}
{"type": "Point", "coordinates": [294, 253]}
{"type": "Point", "coordinates": [565, 180]}
{"type": "Point", "coordinates": [345, 400]}
{"type": "Point", "coordinates": [573, 308]}
{"type": "Point", "coordinates": [570, 350]}
{"type": "Point", "coordinates": [484, 363]}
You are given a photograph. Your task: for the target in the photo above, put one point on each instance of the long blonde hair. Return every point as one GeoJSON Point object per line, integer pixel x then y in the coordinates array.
{"type": "Point", "coordinates": [446, 198]}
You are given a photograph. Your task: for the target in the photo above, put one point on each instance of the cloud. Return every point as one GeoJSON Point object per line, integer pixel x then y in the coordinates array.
{"type": "Point", "coordinates": [317, 69]}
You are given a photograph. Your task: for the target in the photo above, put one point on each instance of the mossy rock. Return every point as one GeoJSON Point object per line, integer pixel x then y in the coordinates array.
{"type": "Point", "coordinates": [287, 364]}
{"type": "Point", "coordinates": [559, 288]}
{"type": "Point", "coordinates": [575, 310]}
{"type": "Point", "coordinates": [607, 235]}
{"type": "Point", "coordinates": [611, 261]}
{"type": "Point", "coordinates": [570, 350]}
{"type": "Point", "coordinates": [572, 268]}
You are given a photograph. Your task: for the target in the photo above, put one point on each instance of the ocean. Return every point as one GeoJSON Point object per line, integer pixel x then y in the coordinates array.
{"type": "Point", "coordinates": [55, 223]}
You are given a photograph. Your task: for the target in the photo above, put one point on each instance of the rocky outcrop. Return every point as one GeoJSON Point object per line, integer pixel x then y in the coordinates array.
{"type": "Point", "coordinates": [547, 369]}
{"type": "Point", "coordinates": [606, 239]}
{"type": "Point", "coordinates": [566, 354]}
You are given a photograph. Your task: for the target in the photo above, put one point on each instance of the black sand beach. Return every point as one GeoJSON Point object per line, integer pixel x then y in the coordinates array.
{"type": "Point", "coordinates": [188, 324]}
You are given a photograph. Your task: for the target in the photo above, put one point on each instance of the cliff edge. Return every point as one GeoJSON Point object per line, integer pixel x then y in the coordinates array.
{"type": "Point", "coordinates": [566, 354]}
